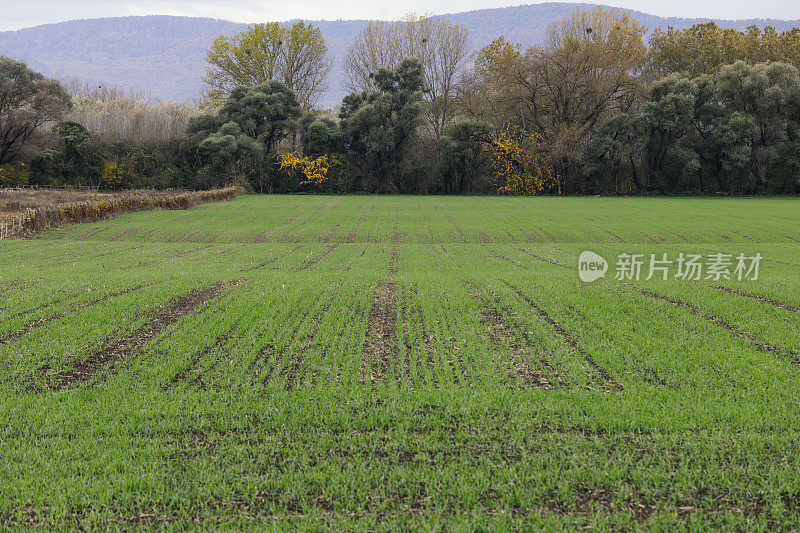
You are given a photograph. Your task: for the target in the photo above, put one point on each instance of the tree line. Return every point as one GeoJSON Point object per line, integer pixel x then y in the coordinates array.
{"type": "Point", "coordinates": [595, 109]}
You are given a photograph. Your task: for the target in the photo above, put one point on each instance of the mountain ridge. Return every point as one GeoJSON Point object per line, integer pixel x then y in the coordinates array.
{"type": "Point", "coordinates": [163, 54]}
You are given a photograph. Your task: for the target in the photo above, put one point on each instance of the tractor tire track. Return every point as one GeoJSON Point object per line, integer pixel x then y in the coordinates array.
{"type": "Point", "coordinates": [719, 322]}
{"type": "Point", "coordinates": [160, 318]}
{"type": "Point", "coordinates": [499, 331]}
{"type": "Point", "coordinates": [262, 237]}
{"type": "Point", "coordinates": [762, 299]}
{"type": "Point", "coordinates": [199, 355]}
{"type": "Point", "coordinates": [272, 260]}
{"type": "Point", "coordinates": [292, 373]}
{"type": "Point", "coordinates": [379, 348]}
{"type": "Point", "coordinates": [312, 262]}
{"type": "Point", "coordinates": [46, 320]}
{"type": "Point", "coordinates": [570, 340]}
{"type": "Point", "coordinates": [539, 258]}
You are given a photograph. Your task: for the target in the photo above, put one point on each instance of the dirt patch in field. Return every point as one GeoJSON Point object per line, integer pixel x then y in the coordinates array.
{"type": "Point", "coordinates": [569, 339]}
{"type": "Point", "coordinates": [160, 319]}
{"type": "Point", "coordinates": [379, 348]}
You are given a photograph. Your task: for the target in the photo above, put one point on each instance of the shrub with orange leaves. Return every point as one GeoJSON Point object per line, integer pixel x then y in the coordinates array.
{"type": "Point", "coordinates": [518, 162]}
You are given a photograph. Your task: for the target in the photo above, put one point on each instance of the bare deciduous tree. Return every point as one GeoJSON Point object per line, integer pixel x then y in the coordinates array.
{"type": "Point", "coordinates": [586, 70]}
{"type": "Point", "coordinates": [441, 47]}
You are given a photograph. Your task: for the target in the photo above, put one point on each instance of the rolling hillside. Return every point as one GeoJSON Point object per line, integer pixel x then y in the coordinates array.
{"type": "Point", "coordinates": [164, 54]}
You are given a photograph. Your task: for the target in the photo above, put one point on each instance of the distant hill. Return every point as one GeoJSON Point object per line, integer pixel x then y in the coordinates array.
{"type": "Point", "coordinates": [164, 55]}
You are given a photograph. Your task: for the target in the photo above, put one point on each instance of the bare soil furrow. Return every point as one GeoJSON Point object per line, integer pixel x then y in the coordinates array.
{"type": "Point", "coordinates": [760, 298]}
{"type": "Point", "coordinates": [126, 250]}
{"type": "Point", "coordinates": [160, 318]}
{"type": "Point", "coordinates": [46, 320]}
{"type": "Point", "coordinates": [40, 307]}
{"type": "Point", "coordinates": [313, 262]}
{"type": "Point", "coordinates": [273, 259]}
{"type": "Point", "coordinates": [712, 232]}
{"type": "Point", "coordinates": [272, 356]}
{"type": "Point", "coordinates": [570, 340]}
{"type": "Point", "coordinates": [353, 235]}
{"type": "Point", "coordinates": [586, 232]}
{"type": "Point", "coordinates": [540, 258]}
{"type": "Point", "coordinates": [506, 259]}
{"type": "Point", "coordinates": [199, 355]}
{"type": "Point", "coordinates": [262, 237]}
{"type": "Point", "coordinates": [616, 238]}
{"type": "Point", "coordinates": [500, 331]}
{"type": "Point", "coordinates": [650, 375]}
{"type": "Point", "coordinates": [717, 321]}
{"type": "Point", "coordinates": [379, 349]}
{"type": "Point", "coordinates": [328, 235]}
{"type": "Point", "coordinates": [293, 372]}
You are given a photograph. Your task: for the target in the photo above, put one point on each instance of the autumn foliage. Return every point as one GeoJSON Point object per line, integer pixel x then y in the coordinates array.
{"type": "Point", "coordinates": [519, 163]}
{"type": "Point", "coordinates": [307, 170]}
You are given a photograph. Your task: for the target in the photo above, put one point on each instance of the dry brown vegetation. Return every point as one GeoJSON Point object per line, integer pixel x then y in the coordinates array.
{"type": "Point", "coordinates": [54, 207]}
{"type": "Point", "coordinates": [14, 202]}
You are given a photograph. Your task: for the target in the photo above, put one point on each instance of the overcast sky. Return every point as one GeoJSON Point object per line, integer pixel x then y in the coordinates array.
{"type": "Point", "coordinates": [15, 14]}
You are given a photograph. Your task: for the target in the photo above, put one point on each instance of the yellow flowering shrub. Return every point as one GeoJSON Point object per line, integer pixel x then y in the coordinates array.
{"type": "Point", "coordinates": [309, 171]}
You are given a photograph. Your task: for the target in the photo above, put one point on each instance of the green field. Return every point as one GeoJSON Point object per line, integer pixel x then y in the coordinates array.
{"type": "Point", "coordinates": [401, 362]}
